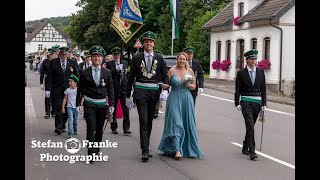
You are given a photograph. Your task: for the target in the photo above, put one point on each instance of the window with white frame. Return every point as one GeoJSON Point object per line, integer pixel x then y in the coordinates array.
{"type": "Point", "coordinates": [39, 47]}
{"type": "Point", "coordinates": [228, 49]}
{"type": "Point", "coordinates": [218, 50]}
{"type": "Point", "coordinates": [253, 43]}
{"type": "Point", "coordinates": [266, 48]}
{"type": "Point", "coordinates": [241, 9]}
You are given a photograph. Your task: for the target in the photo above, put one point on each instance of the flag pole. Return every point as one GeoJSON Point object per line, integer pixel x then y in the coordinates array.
{"type": "Point", "coordinates": [172, 36]}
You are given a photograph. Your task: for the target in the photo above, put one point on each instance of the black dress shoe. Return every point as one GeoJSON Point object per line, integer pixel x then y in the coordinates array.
{"type": "Point", "coordinates": [150, 155]}
{"type": "Point", "coordinates": [63, 130]}
{"type": "Point", "coordinates": [253, 156]}
{"type": "Point", "coordinates": [127, 132]}
{"type": "Point", "coordinates": [58, 131]}
{"type": "Point", "coordinates": [114, 131]}
{"type": "Point", "coordinates": [245, 152]}
{"type": "Point", "coordinates": [145, 157]}
{"type": "Point", "coordinates": [46, 116]}
{"type": "Point", "coordinates": [52, 115]}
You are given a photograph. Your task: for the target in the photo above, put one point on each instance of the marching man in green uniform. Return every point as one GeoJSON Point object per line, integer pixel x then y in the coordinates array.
{"type": "Point", "coordinates": [147, 68]}
{"type": "Point", "coordinates": [96, 88]}
{"type": "Point", "coordinates": [87, 63]}
{"type": "Point", "coordinates": [250, 98]}
{"type": "Point", "coordinates": [198, 72]}
{"type": "Point", "coordinates": [44, 73]}
{"type": "Point", "coordinates": [119, 70]}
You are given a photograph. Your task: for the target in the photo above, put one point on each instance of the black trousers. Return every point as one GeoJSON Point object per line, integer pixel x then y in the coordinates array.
{"type": "Point", "coordinates": [95, 116]}
{"type": "Point", "coordinates": [250, 112]}
{"type": "Point", "coordinates": [125, 110]}
{"type": "Point", "coordinates": [47, 105]}
{"type": "Point", "coordinates": [60, 118]}
{"type": "Point", "coordinates": [146, 103]}
{"type": "Point", "coordinates": [156, 112]}
{"type": "Point", "coordinates": [194, 94]}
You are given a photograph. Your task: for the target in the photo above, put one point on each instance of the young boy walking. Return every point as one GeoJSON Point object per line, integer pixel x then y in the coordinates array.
{"type": "Point", "coordinates": [69, 101]}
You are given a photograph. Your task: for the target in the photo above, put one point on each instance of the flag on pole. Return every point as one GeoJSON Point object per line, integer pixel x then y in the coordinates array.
{"type": "Point", "coordinates": [127, 19]}
{"type": "Point", "coordinates": [175, 9]}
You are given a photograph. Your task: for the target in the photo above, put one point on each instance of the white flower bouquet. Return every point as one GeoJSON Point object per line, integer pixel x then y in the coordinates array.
{"type": "Point", "coordinates": [188, 78]}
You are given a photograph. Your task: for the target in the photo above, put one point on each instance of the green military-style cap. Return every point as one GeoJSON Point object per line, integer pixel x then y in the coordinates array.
{"type": "Point", "coordinates": [64, 50]}
{"type": "Point", "coordinates": [252, 54]}
{"type": "Point", "coordinates": [97, 50]}
{"type": "Point", "coordinates": [86, 54]}
{"type": "Point", "coordinates": [51, 51]}
{"type": "Point", "coordinates": [56, 47]}
{"type": "Point", "coordinates": [189, 49]}
{"type": "Point", "coordinates": [71, 51]}
{"type": "Point", "coordinates": [75, 78]}
{"type": "Point", "coordinates": [116, 50]}
{"type": "Point", "coordinates": [148, 35]}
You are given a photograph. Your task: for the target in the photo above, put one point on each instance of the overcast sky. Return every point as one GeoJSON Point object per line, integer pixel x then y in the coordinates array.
{"type": "Point", "coordinates": [38, 9]}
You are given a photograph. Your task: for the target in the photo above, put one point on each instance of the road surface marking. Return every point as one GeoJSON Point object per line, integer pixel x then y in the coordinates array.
{"type": "Point", "coordinates": [30, 108]}
{"type": "Point", "coordinates": [272, 110]}
{"type": "Point", "coordinates": [269, 157]}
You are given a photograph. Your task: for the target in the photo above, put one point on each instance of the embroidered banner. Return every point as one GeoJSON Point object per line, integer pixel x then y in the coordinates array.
{"type": "Point", "coordinates": [127, 19]}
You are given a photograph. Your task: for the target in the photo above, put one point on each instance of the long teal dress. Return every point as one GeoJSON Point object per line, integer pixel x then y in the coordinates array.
{"type": "Point", "coordinates": [180, 132]}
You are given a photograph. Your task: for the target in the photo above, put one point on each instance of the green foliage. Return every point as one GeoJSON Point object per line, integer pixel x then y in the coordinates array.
{"type": "Point", "coordinates": [58, 22]}
{"type": "Point", "coordinates": [91, 25]}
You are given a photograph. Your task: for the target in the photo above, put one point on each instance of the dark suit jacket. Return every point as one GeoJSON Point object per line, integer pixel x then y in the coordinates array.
{"type": "Point", "coordinates": [88, 87]}
{"type": "Point", "coordinates": [44, 72]}
{"type": "Point", "coordinates": [120, 87]}
{"type": "Point", "coordinates": [244, 86]}
{"type": "Point", "coordinates": [136, 73]}
{"type": "Point", "coordinates": [58, 79]}
{"type": "Point", "coordinates": [196, 67]}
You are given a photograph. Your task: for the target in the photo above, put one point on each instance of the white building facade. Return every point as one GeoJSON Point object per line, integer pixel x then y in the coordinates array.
{"type": "Point", "coordinates": [265, 25]}
{"type": "Point", "coordinates": [42, 36]}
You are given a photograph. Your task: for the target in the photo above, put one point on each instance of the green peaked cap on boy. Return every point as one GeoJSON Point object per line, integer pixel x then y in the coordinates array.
{"type": "Point", "coordinates": [75, 78]}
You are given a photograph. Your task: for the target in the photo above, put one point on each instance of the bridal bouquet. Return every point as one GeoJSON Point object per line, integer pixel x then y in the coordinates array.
{"type": "Point", "coordinates": [188, 78]}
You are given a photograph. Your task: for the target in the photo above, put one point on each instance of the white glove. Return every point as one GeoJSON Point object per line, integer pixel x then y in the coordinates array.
{"type": "Point", "coordinates": [79, 109]}
{"type": "Point", "coordinates": [129, 103]}
{"type": "Point", "coordinates": [47, 94]}
{"type": "Point", "coordinates": [200, 90]}
{"type": "Point", "coordinates": [164, 95]}
{"type": "Point", "coordinates": [263, 108]}
{"type": "Point", "coordinates": [119, 67]}
{"type": "Point", "coordinates": [239, 107]}
{"type": "Point", "coordinates": [111, 109]}
{"type": "Point", "coordinates": [42, 86]}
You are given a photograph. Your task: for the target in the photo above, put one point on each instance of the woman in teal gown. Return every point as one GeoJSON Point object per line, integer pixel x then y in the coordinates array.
{"type": "Point", "coordinates": [179, 137]}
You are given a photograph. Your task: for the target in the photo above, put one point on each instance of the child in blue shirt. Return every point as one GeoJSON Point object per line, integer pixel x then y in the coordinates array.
{"type": "Point", "coordinates": [69, 101]}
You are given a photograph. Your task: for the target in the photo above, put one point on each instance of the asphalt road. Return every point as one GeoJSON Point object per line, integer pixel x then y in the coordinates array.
{"type": "Point", "coordinates": [221, 131]}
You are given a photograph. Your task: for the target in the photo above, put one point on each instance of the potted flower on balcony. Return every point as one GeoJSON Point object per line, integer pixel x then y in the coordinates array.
{"type": "Point", "coordinates": [225, 65]}
{"type": "Point", "coordinates": [264, 64]}
{"type": "Point", "coordinates": [216, 64]}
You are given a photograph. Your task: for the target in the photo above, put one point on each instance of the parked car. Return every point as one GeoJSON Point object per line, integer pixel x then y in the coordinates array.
{"type": "Point", "coordinates": [170, 60]}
